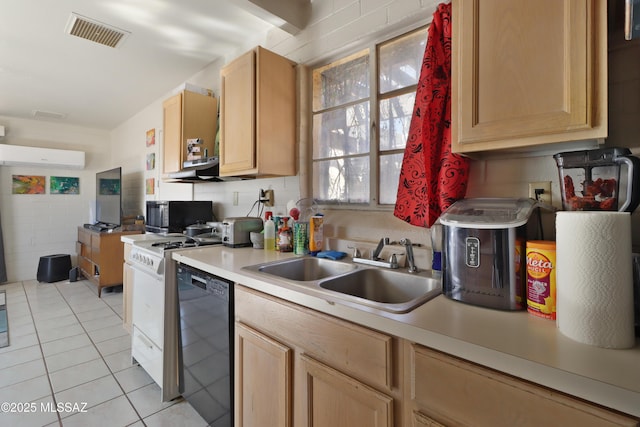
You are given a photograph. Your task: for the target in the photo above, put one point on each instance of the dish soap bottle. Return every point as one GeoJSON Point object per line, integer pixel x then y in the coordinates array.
{"type": "Point", "coordinates": [285, 237]}
{"type": "Point", "coordinates": [269, 233]}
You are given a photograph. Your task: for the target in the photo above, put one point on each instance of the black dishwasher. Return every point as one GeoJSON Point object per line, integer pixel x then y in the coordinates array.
{"type": "Point", "coordinates": [206, 350]}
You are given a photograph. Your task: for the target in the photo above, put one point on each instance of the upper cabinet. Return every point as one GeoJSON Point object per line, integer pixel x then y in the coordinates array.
{"type": "Point", "coordinates": [528, 73]}
{"type": "Point", "coordinates": [258, 116]}
{"type": "Point", "coordinates": [188, 116]}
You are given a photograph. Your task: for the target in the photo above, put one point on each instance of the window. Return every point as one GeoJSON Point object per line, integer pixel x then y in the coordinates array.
{"type": "Point", "coordinates": [362, 107]}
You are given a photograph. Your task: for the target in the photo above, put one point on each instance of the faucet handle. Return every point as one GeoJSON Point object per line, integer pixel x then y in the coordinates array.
{"type": "Point", "coordinates": [356, 251]}
{"type": "Point", "coordinates": [393, 260]}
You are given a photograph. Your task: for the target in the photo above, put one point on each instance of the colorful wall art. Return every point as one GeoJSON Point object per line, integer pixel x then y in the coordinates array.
{"type": "Point", "coordinates": [29, 184]}
{"type": "Point", "coordinates": [150, 185]}
{"type": "Point", "coordinates": [64, 185]}
{"type": "Point", "coordinates": [151, 161]}
{"type": "Point", "coordinates": [151, 137]}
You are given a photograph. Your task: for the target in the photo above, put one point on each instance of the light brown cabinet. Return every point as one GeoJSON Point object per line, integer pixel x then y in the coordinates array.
{"type": "Point", "coordinates": [444, 390]}
{"type": "Point", "coordinates": [298, 367]}
{"type": "Point", "coordinates": [264, 371]}
{"type": "Point", "coordinates": [127, 290]}
{"type": "Point", "coordinates": [258, 115]}
{"type": "Point", "coordinates": [528, 73]}
{"type": "Point", "coordinates": [101, 257]}
{"type": "Point", "coordinates": [318, 370]}
{"type": "Point", "coordinates": [188, 115]}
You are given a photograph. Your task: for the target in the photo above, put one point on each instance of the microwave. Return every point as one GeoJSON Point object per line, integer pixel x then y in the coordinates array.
{"type": "Point", "coordinates": [174, 216]}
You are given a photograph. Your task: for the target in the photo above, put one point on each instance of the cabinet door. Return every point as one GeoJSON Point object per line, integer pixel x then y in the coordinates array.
{"type": "Point", "coordinates": [421, 420]}
{"type": "Point", "coordinates": [172, 122]}
{"type": "Point", "coordinates": [527, 73]}
{"type": "Point", "coordinates": [199, 121]}
{"type": "Point", "coordinates": [237, 111]}
{"type": "Point", "coordinates": [332, 399]}
{"type": "Point", "coordinates": [262, 380]}
{"type": "Point", "coordinates": [464, 394]}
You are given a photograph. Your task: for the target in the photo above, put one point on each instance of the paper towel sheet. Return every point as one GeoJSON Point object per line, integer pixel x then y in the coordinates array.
{"type": "Point", "coordinates": [594, 278]}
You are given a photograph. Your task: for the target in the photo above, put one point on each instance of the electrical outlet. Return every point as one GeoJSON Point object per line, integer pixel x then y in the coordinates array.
{"type": "Point", "coordinates": [269, 196]}
{"type": "Point", "coordinates": [545, 186]}
{"type": "Point", "coordinates": [235, 198]}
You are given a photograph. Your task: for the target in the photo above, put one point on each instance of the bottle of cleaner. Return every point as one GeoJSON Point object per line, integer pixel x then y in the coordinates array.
{"type": "Point", "coordinates": [269, 233]}
{"type": "Point", "coordinates": [285, 237]}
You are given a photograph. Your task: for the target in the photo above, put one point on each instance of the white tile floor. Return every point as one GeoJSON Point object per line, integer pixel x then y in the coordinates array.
{"type": "Point", "coordinates": [69, 351]}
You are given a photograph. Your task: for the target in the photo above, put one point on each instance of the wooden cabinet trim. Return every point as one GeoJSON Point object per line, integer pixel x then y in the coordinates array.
{"type": "Point", "coordinates": [421, 420]}
{"type": "Point", "coordinates": [374, 405]}
{"type": "Point", "coordinates": [258, 115]}
{"type": "Point", "coordinates": [489, 114]}
{"type": "Point", "coordinates": [276, 382]}
{"type": "Point", "coordinates": [457, 392]}
{"type": "Point", "coordinates": [357, 351]}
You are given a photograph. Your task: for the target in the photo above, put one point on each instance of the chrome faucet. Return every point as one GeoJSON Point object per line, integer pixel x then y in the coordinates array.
{"type": "Point", "coordinates": [375, 255]}
{"type": "Point", "coordinates": [409, 250]}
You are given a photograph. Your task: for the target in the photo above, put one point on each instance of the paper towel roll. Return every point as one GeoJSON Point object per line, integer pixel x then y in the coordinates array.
{"type": "Point", "coordinates": [594, 278]}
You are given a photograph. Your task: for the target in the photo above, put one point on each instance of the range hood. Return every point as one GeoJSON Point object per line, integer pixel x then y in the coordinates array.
{"type": "Point", "coordinates": [202, 170]}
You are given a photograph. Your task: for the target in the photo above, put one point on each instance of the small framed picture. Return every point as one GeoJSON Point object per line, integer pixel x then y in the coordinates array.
{"type": "Point", "coordinates": [150, 186]}
{"type": "Point", "coordinates": [151, 137]}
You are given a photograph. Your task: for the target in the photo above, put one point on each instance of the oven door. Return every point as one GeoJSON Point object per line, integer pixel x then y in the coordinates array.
{"type": "Point", "coordinates": [147, 339]}
{"type": "Point", "coordinates": [148, 305]}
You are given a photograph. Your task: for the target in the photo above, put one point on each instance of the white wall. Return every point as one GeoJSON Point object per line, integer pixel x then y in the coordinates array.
{"type": "Point", "coordinates": [38, 225]}
{"type": "Point", "coordinates": [335, 26]}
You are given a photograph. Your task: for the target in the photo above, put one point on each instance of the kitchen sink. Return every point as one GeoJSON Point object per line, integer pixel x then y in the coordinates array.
{"type": "Point", "coordinates": [387, 290]}
{"type": "Point", "coordinates": [306, 269]}
{"type": "Point", "coordinates": [394, 291]}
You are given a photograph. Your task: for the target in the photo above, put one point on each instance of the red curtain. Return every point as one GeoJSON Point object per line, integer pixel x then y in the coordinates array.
{"type": "Point", "coordinates": [432, 177]}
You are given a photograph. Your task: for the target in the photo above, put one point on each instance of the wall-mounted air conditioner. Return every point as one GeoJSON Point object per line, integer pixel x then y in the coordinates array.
{"type": "Point", "coordinates": [18, 155]}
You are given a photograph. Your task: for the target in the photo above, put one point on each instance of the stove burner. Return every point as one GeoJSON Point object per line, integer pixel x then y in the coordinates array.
{"type": "Point", "coordinates": [187, 242]}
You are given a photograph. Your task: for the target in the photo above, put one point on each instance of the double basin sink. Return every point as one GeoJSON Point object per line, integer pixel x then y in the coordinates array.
{"type": "Point", "coordinates": [393, 291]}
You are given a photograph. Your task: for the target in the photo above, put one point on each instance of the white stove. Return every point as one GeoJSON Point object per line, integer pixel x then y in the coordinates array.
{"type": "Point", "coordinates": [155, 317]}
{"type": "Point", "coordinates": [149, 255]}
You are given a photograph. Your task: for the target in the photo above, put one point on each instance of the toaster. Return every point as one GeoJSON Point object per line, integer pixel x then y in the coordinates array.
{"type": "Point", "coordinates": [236, 230]}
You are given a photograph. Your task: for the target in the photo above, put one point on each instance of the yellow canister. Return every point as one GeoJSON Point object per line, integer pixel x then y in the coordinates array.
{"type": "Point", "coordinates": [541, 278]}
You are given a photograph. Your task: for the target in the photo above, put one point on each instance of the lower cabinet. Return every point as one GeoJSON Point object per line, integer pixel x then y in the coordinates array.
{"type": "Point", "coordinates": [295, 366]}
{"type": "Point", "coordinates": [445, 390]}
{"type": "Point", "coordinates": [298, 367]}
{"type": "Point", "coordinates": [263, 380]}
{"type": "Point", "coordinates": [331, 398]}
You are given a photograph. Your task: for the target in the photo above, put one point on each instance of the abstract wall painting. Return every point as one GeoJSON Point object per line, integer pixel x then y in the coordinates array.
{"type": "Point", "coordinates": [150, 186]}
{"type": "Point", "coordinates": [64, 185]}
{"type": "Point", "coordinates": [151, 137]}
{"type": "Point", "coordinates": [28, 184]}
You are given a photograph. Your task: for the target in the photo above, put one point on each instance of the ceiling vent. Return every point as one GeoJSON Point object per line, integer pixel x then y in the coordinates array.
{"type": "Point", "coordinates": [40, 114]}
{"type": "Point", "coordinates": [95, 31]}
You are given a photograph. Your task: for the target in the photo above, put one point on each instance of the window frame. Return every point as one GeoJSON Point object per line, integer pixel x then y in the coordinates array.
{"type": "Point", "coordinates": [375, 98]}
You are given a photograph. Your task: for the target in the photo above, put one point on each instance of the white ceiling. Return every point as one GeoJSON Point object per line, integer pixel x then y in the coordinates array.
{"type": "Point", "coordinates": [44, 69]}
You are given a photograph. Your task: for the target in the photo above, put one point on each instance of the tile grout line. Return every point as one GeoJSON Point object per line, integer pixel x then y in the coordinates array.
{"type": "Point", "coordinates": [44, 360]}
{"type": "Point", "coordinates": [124, 393]}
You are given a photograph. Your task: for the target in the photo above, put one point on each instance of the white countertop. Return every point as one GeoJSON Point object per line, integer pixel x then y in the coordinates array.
{"type": "Point", "coordinates": [515, 343]}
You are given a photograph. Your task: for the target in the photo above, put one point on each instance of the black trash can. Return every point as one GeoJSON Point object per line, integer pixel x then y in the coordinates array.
{"type": "Point", "coordinates": [54, 268]}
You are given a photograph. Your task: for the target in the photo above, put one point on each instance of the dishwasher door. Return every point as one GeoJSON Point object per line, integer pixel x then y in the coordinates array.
{"type": "Point", "coordinates": [206, 336]}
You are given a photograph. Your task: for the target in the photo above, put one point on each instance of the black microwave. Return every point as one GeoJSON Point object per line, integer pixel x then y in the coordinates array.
{"type": "Point", "coordinates": [174, 216]}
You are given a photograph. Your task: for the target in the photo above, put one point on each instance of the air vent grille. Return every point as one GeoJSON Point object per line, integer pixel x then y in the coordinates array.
{"type": "Point", "coordinates": [40, 114]}
{"type": "Point", "coordinates": [95, 31]}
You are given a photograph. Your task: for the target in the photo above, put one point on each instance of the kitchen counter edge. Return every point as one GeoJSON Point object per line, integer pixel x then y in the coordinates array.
{"type": "Point", "coordinates": [514, 343]}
